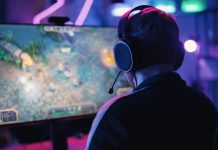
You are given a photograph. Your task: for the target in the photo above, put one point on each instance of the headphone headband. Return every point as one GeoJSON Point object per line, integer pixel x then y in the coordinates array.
{"type": "Point", "coordinates": [122, 26]}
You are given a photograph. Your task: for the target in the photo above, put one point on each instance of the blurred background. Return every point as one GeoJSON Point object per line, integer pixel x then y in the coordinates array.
{"type": "Point", "coordinates": [197, 19]}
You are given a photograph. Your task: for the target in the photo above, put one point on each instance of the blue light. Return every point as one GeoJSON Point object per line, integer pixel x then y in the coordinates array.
{"type": "Point", "coordinates": [168, 6]}
{"type": "Point", "coordinates": [118, 9]}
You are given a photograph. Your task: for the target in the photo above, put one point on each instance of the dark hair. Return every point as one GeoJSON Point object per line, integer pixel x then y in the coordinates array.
{"type": "Point", "coordinates": [157, 32]}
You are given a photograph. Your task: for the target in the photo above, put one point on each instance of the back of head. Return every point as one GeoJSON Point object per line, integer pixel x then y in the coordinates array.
{"type": "Point", "coordinates": [157, 33]}
{"type": "Point", "coordinates": [153, 37]}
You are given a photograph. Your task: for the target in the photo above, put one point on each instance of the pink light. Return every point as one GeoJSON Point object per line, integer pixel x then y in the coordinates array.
{"type": "Point", "coordinates": [69, 23]}
{"type": "Point", "coordinates": [190, 46]}
{"type": "Point", "coordinates": [84, 12]}
{"type": "Point", "coordinates": [80, 19]}
{"type": "Point", "coordinates": [48, 11]}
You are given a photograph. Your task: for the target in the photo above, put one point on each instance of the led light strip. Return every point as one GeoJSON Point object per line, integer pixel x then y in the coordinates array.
{"type": "Point", "coordinates": [80, 19]}
{"type": "Point", "coordinates": [84, 12]}
{"type": "Point", "coordinates": [48, 11]}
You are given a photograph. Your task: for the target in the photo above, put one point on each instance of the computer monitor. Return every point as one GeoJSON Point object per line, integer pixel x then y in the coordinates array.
{"type": "Point", "coordinates": [49, 71]}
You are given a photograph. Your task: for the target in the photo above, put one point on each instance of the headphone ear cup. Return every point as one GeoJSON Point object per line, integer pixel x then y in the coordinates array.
{"type": "Point", "coordinates": [179, 55]}
{"type": "Point", "coordinates": [123, 55]}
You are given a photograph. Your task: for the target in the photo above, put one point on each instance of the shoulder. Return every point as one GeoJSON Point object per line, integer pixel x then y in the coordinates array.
{"type": "Point", "coordinates": [201, 99]}
{"type": "Point", "coordinates": [100, 117]}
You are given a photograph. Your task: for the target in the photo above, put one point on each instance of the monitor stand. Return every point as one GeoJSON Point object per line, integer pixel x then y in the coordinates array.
{"type": "Point", "coordinates": [58, 135]}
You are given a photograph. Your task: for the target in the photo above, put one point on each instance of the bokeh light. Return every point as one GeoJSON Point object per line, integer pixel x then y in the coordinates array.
{"type": "Point", "coordinates": [190, 46]}
{"type": "Point", "coordinates": [192, 6]}
{"type": "Point", "coordinates": [107, 58]}
{"type": "Point", "coordinates": [118, 9]}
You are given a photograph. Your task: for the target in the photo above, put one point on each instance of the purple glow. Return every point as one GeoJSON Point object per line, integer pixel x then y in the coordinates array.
{"type": "Point", "coordinates": [69, 23]}
{"type": "Point", "coordinates": [48, 11]}
{"type": "Point", "coordinates": [84, 12]}
{"type": "Point", "coordinates": [208, 69]}
{"type": "Point", "coordinates": [80, 19]}
{"type": "Point", "coordinates": [190, 46]}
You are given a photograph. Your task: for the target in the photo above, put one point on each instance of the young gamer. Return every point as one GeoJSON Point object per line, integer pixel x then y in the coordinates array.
{"type": "Point", "coordinates": [162, 112]}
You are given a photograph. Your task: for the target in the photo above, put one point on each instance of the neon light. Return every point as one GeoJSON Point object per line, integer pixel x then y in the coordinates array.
{"type": "Point", "coordinates": [48, 11]}
{"type": "Point", "coordinates": [80, 19]}
{"type": "Point", "coordinates": [167, 8]}
{"type": "Point", "coordinates": [84, 12]}
{"type": "Point", "coordinates": [118, 9]}
{"type": "Point", "coordinates": [190, 6]}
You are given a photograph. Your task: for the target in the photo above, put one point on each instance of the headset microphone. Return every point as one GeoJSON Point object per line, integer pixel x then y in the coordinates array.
{"type": "Point", "coordinates": [110, 90]}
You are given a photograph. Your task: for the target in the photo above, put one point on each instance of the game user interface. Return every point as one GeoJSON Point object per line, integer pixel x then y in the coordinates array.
{"type": "Point", "coordinates": [55, 71]}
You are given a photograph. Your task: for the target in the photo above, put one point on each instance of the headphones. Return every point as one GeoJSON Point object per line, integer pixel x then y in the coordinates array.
{"type": "Point", "coordinates": [128, 52]}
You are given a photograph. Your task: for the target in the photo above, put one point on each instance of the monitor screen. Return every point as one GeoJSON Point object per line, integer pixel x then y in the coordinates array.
{"type": "Point", "coordinates": [55, 71]}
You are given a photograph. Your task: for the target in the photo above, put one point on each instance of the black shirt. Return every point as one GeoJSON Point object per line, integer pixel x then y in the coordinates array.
{"type": "Point", "coordinates": [162, 113]}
